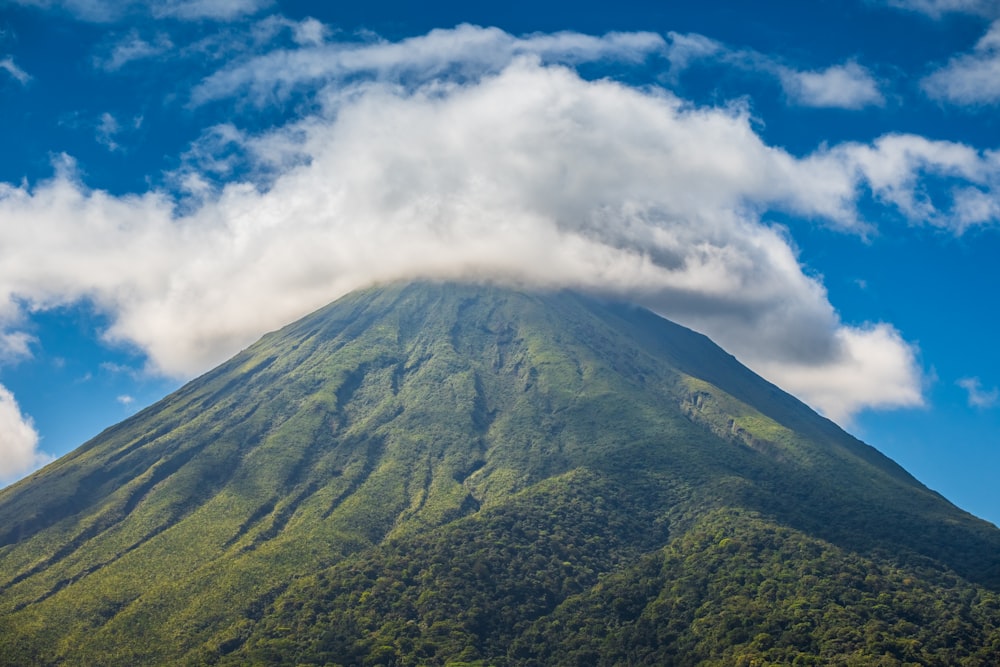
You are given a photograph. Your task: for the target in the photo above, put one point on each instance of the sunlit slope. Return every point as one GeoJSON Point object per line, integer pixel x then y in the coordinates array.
{"type": "Point", "coordinates": [378, 435]}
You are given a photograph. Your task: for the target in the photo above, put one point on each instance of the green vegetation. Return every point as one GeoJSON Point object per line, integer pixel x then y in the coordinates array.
{"type": "Point", "coordinates": [504, 589]}
{"type": "Point", "coordinates": [445, 474]}
{"type": "Point", "coordinates": [740, 590]}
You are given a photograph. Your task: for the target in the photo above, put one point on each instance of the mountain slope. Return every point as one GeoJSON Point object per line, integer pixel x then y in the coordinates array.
{"type": "Point", "coordinates": [447, 442]}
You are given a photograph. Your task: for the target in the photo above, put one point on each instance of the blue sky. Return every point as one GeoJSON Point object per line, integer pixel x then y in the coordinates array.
{"type": "Point", "coordinates": [816, 186]}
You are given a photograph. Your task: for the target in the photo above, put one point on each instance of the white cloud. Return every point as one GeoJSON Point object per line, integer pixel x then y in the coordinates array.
{"type": "Point", "coordinates": [193, 10]}
{"type": "Point", "coordinates": [125, 400]}
{"type": "Point", "coordinates": [103, 11]}
{"type": "Point", "coordinates": [131, 48]}
{"type": "Point", "coordinates": [7, 65]}
{"type": "Point", "coordinates": [979, 397]}
{"type": "Point", "coordinates": [309, 32]}
{"type": "Point", "coordinates": [465, 50]}
{"type": "Point", "coordinates": [463, 154]}
{"type": "Point", "coordinates": [107, 128]}
{"type": "Point", "coordinates": [88, 10]}
{"type": "Point", "coordinates": [940, 183]}
{"type": "Point", "coordinates": [471, 50]}
{"type": "Point", "coordinates": [938, 8]}
{"type": "Point", "coordinates": [848, 86]}
{"type": "Point", "coordinates": [532, 174]}
{"type": "Point", "coordinates": [685, 49]}
{"type": "Point", "coordinates": [971, 78]}
{"type": "Point", "coordinates": [873, 351]}
{"type": "Point", "coordinates": [18, 440]}
{"type": "Point", "coordinates": [15, 346]}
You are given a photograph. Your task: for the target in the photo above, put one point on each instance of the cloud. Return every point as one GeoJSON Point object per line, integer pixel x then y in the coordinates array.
{"type": "Point", "coordinates": [309, 32]}
{"type": "Point", "coordinates": [132, 48]}
{"type": "Point", "coordinates": [469, 50]}
{"type": "Point", "coordinates": [125, 400]}
{"type": "Point", "coordinates": [531, 174]}
{"type": "Point", "coordinates": [18, 440]}
{"type": "Point", "coordinates": [7, 65]}
{"type": "Point", "coordinates": [111, 367]}
{"type": "Point", "coordinates": [847, 86]}
{"type": "Point", "coordinates": [15, 346]}
{"type": "Point", "coordinates": [938, 8]}
{"type": "Point", "coordinates": [684, 50]}
{"type": "Point", "coordinates": [106, 131]}
{"type": "Point", "coordinates": [940, 183]}
{"type": "Point", "coordinates": [193, 10]}
{"type": "Point", "coordinates": [106, 11]}
{"type": "Point", "coordinates": [872, 351]}
{"type": "Point", "coordinates": [466, 50]}
{"type": "Point", "coordinates": [979, 397]}
{"type": "Point", "coordinates": [971, 78]}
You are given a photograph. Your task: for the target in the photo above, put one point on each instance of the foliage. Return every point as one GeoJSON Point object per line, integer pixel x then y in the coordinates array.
{"type": "Point", "coordinates": [735, 589]}
{"type": "Point", "coordinates": [739, 590]}
{"type": "Point", "coordinates": [464, 591]}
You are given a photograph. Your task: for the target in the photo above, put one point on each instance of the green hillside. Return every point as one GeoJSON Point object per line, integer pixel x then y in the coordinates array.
{"type": "Point", "coordinates": [439, 473]}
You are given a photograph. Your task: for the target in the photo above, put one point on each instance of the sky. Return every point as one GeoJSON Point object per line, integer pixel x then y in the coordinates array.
{"type": "Point", "coordinates": [816, 186]}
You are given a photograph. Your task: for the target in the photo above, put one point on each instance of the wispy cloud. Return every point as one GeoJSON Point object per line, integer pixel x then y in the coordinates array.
{"type": "Point", "coordinates": [848, 86]}
{"type": "Point", "coordinates": [471, 49]}
{"type": "Point", "coordinates": [15, 345]}
{"type": "Point", "coordinates": [845, 86]}
{"type": "Point", "coordinates": [194, 10]}
{"type": "Point", "coordinates": [454, 53]}
{"type": "Point", "coordinates": [114, 368]}
{"type": "Point", "coordinates": [309, 32]}
{"type": "Point", "coordinates": [972, 78]}
{"type": "Point", "coordinates": [108, 129]}
{"type": "Point", "coordinates": [686, 49]}
{"type": "Point", "coordinates": [7, 65]}
{"type": "Point", "coordinates": [938, 8]}
{"type": "Point", "coordinates": [132, 48]}
{"type": "Point", "coordinates": [902, 170]}
{"type": "Point", "coordinates": [107, 11]}
{"type": "Point", "coordinates": [978, 396]}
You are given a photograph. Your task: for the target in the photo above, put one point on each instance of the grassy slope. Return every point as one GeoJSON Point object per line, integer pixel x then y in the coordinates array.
{"type": "Point", "coordinates": [395, 411]}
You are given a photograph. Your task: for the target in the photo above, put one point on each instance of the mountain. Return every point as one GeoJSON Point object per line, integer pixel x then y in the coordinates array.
{"type": "Point", "coordinates": [457, 474]}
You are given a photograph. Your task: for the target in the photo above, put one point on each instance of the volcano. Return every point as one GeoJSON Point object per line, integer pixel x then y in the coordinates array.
{"type": "Point", "coordinates": [444, 474]}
